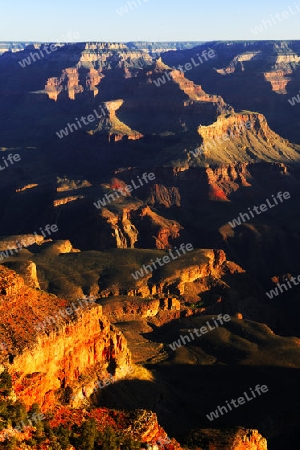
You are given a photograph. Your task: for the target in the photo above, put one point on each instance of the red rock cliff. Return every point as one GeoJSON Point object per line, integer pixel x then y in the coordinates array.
{"type": "Point", "coordinates": [76, 344]}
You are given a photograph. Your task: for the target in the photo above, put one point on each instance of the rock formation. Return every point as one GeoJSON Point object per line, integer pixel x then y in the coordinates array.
{"type": "Point", "coordinates": [244, 137]}
{"type": "Point", "coordinates": [220, 138]}
{"type": "Point", "coordinates": [240, 439]}
{"type": "Point", "coordinates": [73, 345]}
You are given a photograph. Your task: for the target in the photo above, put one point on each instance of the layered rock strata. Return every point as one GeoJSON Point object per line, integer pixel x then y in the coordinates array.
{"type": "Point", "coordinates": [50, 346]}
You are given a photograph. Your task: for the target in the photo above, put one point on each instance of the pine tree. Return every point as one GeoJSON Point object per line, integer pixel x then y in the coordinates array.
{"type": "Point", "coordinates": [63, 436]}
{"type": "Point", "coordinates": [36, 419]}
{"type": "Point", "coordinates": [11, 444]}
{"type": "Point", "coordinates": [128, 443]}
{"type": "Point", "coordinates": [5, 383]}
{"type": "Point", "coordinates": [109, 440]}
{"type": "Point", "coordinates": [51, 436]}
{"type": "Point", "coordinates": [86, 440]}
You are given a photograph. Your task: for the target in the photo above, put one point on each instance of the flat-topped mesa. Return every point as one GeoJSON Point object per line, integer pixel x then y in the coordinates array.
{"type": "Point", "coordinates": [176, 277]}
{"type": "Point", "coordinates": [73, 344]}
{"type": "Point", "coordinates": [118, 58]}
{"type": "Point", "coordinates": [105, 46]}
{"type": "Point", "coordinates": [242, 137]}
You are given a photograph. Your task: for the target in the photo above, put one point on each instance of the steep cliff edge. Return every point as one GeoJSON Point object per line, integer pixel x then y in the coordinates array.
{"type": "Point", "coordinates": [50, 346]}
{"type": "Point", "coordinates": [253, 75]}
{"type": "Point", "coordinates": [86, 65]}
{"type": "Point", "coordinates": [243, 137]}
{"type": "Point", "coordinates": [281, 61]}
{"type": "Point", "coordinates": [115, 129]}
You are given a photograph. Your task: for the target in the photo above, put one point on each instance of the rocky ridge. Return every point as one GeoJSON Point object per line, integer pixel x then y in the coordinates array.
{"type": "Point", "coordinates": [73, 345]}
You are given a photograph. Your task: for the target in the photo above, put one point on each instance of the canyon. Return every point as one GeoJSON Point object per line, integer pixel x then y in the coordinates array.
{"type": "Point", "coordinates": [234, 107]}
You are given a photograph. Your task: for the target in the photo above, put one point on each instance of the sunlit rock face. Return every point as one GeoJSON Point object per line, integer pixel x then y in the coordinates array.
{"type": "Point", "coordinates": [49, 345]}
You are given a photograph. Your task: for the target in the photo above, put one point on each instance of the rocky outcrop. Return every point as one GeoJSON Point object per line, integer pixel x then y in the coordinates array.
{"type": "Point", "coordinates": [212, 264]}
{"type": "Point", "coordinates": [165, 196]}
{"type": "Point", "coordinates": [122, 229]}
{"type": "Point", "coordinates": [27, 186]}
{"type": "Point", "coordinates": [125, 309]}
{"type": "Point", "coordinates": [73, 345]}
{"type": "Point", "coordinates": [58, 247]}
{"type": "Point", "coordinates": [89, 62]}
{"type": "Point", "coordinates": [113, 127]}
{"type": "Point", "coordinates": [240, 439]}
{"type": "Point", "coordinates": [64, 184]}
{"type": "Point", "coordinates": [226, 179]}
{"type": "Point", "coordinates": [196, 93]}
{"type": "Point", "coordinates": [10, 282]}
{"type": "Point", "coordinates": [145, 427]}
{"type": "Point", "coordinates": [176, 278]}
{"type": "Point", "coordinates": [161, 229]}
{"type": "Point", "coordinates": [66, 200]}
{"type": "Point", "coordinates": [237, 62]}
{"type": "Point", "coordinates": [279, 80]}
{"type": "Point", "coordinates": [27, 270]}
{"type": "Point", "coordinates": [20, 240]}
{"type": "Point", "coordinates": [133, 225]}
{"type": "Point", "coordinates": [278, 56]}
{"type": "Point", "coordinates": [243, 137]}
{"type": "Point", "coordinates": [68, 81]}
